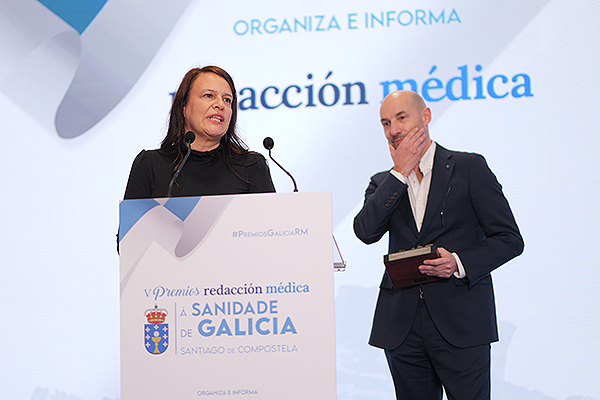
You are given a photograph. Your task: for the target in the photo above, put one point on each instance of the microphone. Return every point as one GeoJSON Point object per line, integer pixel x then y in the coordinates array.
{"type": "Point", "coordinates": [188, 138]}
{"type": "Point", "coordinates": [269, 144]}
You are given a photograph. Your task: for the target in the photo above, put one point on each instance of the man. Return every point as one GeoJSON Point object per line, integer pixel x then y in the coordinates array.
{"type": "Point", "coordinates": [437, 334]}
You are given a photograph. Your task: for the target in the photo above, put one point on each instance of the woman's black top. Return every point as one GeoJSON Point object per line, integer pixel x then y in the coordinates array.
{"type": "Point", "coordinates": [204, 173]}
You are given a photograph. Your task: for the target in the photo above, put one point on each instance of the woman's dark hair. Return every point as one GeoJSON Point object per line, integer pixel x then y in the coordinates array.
{"type": "Point", "coordinates": [172, 144]}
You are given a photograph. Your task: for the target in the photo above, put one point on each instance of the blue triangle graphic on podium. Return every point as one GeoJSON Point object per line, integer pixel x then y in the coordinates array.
{"type": "Point", "coordinates": [131, 211]}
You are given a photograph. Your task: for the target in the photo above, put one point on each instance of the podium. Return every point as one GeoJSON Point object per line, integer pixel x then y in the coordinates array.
{"type": "Point", "coordinates": [227, 297]}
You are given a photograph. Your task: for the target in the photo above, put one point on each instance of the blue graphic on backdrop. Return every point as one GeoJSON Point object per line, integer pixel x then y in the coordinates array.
{"type": "Point", "coordinates": [86, 72]}
{"type": "Point", "coordinates": [77, 13]}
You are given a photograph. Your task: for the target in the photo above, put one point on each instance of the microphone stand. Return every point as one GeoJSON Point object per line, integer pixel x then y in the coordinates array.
{"type": "Point", "coordinates": [189, 139]}
{"type": "Point", "coordinates": [269, 144]}
{"type": "Point", "coordinates": [284, 170]}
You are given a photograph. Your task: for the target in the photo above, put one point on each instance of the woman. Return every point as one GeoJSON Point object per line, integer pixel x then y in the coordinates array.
{"type": "Point", "coordinates": [220, 162]}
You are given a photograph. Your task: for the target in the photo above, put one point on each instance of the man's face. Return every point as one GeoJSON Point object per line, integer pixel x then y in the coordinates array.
{"type": "Point", "coordinates": [400, 113]}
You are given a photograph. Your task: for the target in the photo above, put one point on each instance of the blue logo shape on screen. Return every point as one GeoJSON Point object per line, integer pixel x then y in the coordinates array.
{"type": "Point", "coordinates": [93, 53]}
{"type": "Point", "coordinates": [77, 13]}
{"type": "Point", "coordinates": [156, 332]}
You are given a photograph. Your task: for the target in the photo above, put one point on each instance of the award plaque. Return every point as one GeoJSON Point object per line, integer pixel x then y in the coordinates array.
{"type": "Point", "coordinates": [403, 266]}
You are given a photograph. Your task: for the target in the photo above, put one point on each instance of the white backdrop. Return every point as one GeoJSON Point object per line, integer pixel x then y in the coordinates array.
{"type": "Point", "coordinates": [83, 90]}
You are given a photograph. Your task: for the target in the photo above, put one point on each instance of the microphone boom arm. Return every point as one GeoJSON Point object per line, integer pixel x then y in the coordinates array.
{"type": "Point", "coordinates": [284, 170]}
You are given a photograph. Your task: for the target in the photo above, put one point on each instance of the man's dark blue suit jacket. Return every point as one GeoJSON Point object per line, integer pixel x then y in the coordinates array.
{"type": "Point", "coordinates": [466, 213]}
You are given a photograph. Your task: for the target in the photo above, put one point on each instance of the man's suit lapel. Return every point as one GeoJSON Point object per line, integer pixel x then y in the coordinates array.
{"type": "Point", "coordinates": [443, 166]}
{"type": "Point", "coordinates": [407, 214]}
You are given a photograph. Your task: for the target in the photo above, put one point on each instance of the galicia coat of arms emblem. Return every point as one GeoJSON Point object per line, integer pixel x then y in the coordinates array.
{"type": "Point", "coordinates": [156, 331]}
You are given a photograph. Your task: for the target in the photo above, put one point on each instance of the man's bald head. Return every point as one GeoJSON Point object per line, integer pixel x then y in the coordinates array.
{"type": "Point", "coordinates": [406, 97]}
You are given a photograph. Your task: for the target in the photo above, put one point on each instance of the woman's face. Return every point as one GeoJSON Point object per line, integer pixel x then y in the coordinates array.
{"type": "Point", "coordinates": [208, 110]}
